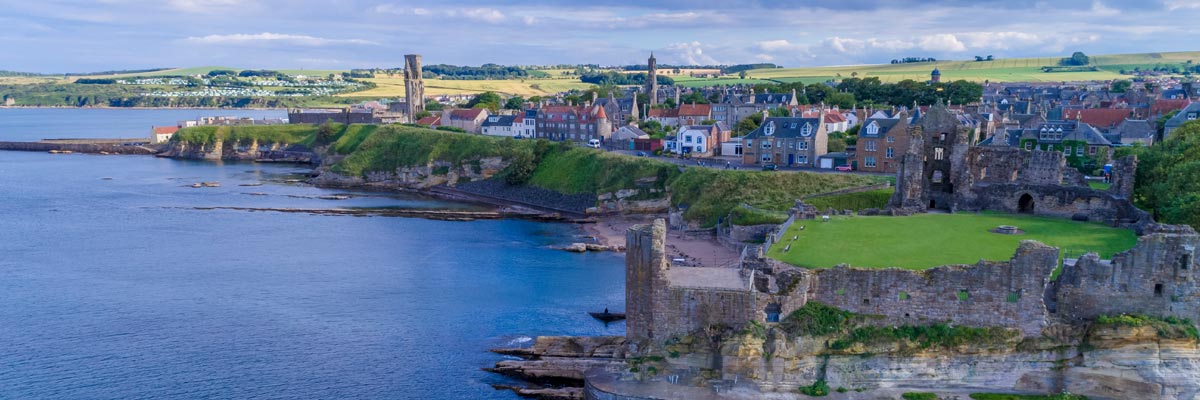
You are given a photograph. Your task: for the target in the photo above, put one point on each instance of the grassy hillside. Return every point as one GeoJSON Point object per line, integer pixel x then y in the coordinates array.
{"type": "Point", "coordinates": [264, 134]}
{"type": "Point", "coordinates": [1000, 70]}
{"type": "Point", "coordinates": [708, 194]}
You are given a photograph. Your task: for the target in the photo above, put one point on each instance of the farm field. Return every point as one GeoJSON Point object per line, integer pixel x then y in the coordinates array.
{"type": "Point", "coordinates": [393, 86]}
{"type": "Point", "coordinates": [1000, 70]}
{"type": "Point", "coordinates": [929, 240]}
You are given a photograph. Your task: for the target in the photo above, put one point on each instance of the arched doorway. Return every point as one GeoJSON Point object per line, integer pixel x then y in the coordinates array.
{"type": "Point", "coordinates": [1025, 204]}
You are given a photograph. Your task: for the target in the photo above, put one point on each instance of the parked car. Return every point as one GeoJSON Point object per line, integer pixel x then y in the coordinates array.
{"type": "Point", "coordinates": [770, 167]}
{"type": "Point", "coordinates": [594, 143]}
{"type": "Point", "coordinates": [641, 154]}
{"type": "Point", "coordinates": [844, 168]}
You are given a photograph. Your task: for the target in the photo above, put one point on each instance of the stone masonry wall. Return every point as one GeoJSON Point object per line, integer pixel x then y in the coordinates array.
{"type": "Point", "coordinates": [645, 279]}
{"type": "Point", "coordinates": [1157, 277]}
{"type": "Point", "coordinates": [996, 294]}
{"type": "Point", "coordinates": [687, 310]}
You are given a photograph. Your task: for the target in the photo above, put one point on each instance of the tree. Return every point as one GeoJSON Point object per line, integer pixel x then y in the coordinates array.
{"type": "Point", "coordinates": [978, 58]}
{"type": "Point", "coordinates": [433, 105]}
{"type": "Point", "coordinates": [989, 57]}
{"type": "Point", "coordinates": [1168, 176]}
{"type": "Point", "coordinates": [514, 103]}
{"type": "Point", "coordinates": [748, 124]}
{"type": "Point", "coordinates": [742, 75]}
{"type": "Point", "coordinates": [488, 100]}
{"type": "Point", "coordinates": [326, 132]}
{"type": "Point", "coordinates": [1121, 85]}
{"type": "Point", "coordinates": [1076, 59]}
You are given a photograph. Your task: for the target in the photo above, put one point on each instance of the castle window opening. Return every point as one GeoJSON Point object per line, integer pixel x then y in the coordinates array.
{"type": "Point", "coordinates": [937, 176]}
{"type": "Point", "coordinates": [1158, 290]}
{"type": "Point", "coordinates": [866, 302]}
{"type": "Point", "coordinates": [1185, 262]}
{"type": "Point", "coordinates": [773, 310]}
{"type": "Point", "coordinates": [939, 153]}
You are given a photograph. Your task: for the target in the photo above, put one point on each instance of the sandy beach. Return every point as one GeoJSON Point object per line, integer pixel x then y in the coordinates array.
{"type": "Point", "coordinates": [705, 251]}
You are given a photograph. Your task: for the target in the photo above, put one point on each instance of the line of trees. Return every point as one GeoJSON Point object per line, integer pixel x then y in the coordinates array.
{"type": "Point", "coordinates": [907, 60]}
{"type": "Point", "coordinates": [871, 91]}
{"type": "Point", "coordinates": [485, 71]}
{"type": "Point", "coordinates": [612, 78]}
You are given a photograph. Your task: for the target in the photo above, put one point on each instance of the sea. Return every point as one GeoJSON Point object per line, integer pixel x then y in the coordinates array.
{"type": "Point", "coordinates": [118, 280]}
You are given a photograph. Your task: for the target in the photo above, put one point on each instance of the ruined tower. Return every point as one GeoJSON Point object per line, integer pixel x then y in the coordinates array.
{"type": "Point", "coordinates": [414, 86]}
{"type": "Point", "coordinates": [652, 80]}
{"type": "Point", "coordinates": [645, 278]}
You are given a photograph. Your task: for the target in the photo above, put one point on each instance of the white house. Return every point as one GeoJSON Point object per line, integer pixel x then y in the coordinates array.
{"type": "Point", "coordinates": [162, 134]}
{"type": "Point", "coordinates": [695, 140]}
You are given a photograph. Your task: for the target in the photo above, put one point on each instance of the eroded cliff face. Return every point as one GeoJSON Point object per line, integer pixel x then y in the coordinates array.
{"type": "Point", "coordinates": [436, 173]}
{"type": "Point", "coordinates": [1100, 362]}
{"type": "Point", "coordinates": [221, 150]}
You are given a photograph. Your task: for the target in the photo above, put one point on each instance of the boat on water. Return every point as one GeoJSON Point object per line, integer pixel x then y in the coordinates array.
{"type": "Point", "coordinates": [607, 316]}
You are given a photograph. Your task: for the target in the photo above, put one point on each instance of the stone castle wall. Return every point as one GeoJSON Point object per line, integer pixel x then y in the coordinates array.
{"type": "Point", "coordinates": [1157, 277]}
{"type": "Point", "coordinates": [986, 294]}
{"type": "Point", "coordinates": [645, 276]}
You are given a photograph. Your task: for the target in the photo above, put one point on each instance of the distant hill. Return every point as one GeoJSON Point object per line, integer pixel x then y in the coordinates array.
{"type": "Point", "coordinates": [999, 70]}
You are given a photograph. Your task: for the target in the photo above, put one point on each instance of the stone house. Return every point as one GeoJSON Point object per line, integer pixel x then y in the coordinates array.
{"type": "Point", "coordinates": [1187, 114]}
{"type": "Point", "coordinates": [786, 141]}
{"type": "Point", "coordinates": [694, 114]}
{"type": "Point", "coordinates": [470, 120]}
{"type": "Point", "coordinates": [881, 143]}
{"type": "Point", "coordinates": [667, 117]}
{"type": "Point", "coordinates": [1132, 131]}
{"type": "Point", "coordinates": [1073, 138]}
{"type": "Point", "coordinates": [577, 123]}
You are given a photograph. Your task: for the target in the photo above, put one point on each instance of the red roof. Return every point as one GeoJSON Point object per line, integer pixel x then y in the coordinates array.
{"type": "Point", "coordinates": [469, 114]}
{"type": "Point", "coordinates": [161, 130]}
{"type": "Point", "coordinates": [1098, 117]}
{"type": "Point", "coordinates": [695, 110]}
{"type": "Point", "coordinates": [1167, 105]}
{"type": "Point", "coordinates": [833, 118]}
{"type": "Point", "coordinates": [600, 113]}
{"type": "Point", "coordinates": [430, 121]}
{"type": "Point", "coordinates": [662, 113]}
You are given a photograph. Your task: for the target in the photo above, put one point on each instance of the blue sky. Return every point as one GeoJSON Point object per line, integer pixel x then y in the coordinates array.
{"type": "Point", "coordinates": [80, 36]}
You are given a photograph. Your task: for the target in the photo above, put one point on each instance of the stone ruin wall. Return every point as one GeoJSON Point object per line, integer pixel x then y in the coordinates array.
{"type": "Point", "coordinates": [1157, 277]}
{"type": "Point", "coordinates": [645, 274]}
{"type": "Point", "coordinates": [997, 293]}
{"type": "Point", "coordinates": [688, 310]}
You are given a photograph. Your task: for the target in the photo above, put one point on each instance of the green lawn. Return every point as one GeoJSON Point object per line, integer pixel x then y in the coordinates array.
{"type": "Point", "coordinates": [929, 240]}
{"type": "Point", "coordinates": [1099, 185]}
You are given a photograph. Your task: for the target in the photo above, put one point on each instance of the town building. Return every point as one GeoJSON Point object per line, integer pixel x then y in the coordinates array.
{"type": "Point", "coordinates": [882, 142]}
{"type": "Point", "coordinates": [470, 119]}
{"type": "Point", "coordinates": [162, 134]}
{"type": "Point", "coordinates": [1189, 113]}
{"type": "Point", "coordinates": [576, 123]}
{"type": "Point", "coordinates": [786, 141]}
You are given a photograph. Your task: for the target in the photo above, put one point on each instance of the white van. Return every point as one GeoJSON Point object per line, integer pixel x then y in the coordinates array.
{"type": "Point", "coordinates": [594, 143]}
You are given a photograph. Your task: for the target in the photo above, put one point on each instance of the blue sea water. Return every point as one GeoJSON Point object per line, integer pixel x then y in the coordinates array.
{"type": "Point", "coordinates": [113, 285]}
{"type": "Point", "coordinates": [33, 124]}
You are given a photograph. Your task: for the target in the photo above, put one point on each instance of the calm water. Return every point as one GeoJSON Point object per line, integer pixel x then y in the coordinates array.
{"type": "Point", "coordinates": [32, 124]}
{"type": "Point", "coordinates": [118, 288]}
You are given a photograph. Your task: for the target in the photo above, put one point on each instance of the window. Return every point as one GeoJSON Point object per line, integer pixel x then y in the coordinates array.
{"type": "Point", "coordinates": [1192, 116]}
{"type": "Point", "coordinates": [891, 139]}
{"type": "Point", "coordinates": [939, 153]}
{"type": "Point", "coordinates": [1158, 290]}
{"type": "Point", "coordinates": [1092, 150]}
{"type": "Point", "coordinates": [872, 129]}
{"type": "Point", "coordinates": [1079, 150]}
{"type": "Point", "coordinates": [769, 129]}
{"type": "Point", "coordinates": [687, 139]}
{"type": "Point", "coordinates": [802, 159]}
{"type": "Point", "coordinates": [699, 149]}
{"type": "Point", "coordinates": [870, 145]}
{"type": "Point", "coordinates": [869, 162]}
{"type": "Point", "coordinates": [803, 145]}
{"type": "Point", "coordinates": [1068, 150]}
{"type": "Point", "coordinates": [749, 143]}
{"type": "Point", "coordinates": [791, 145]}
{"type": "Point", "coordinates": [699, 139]}
{"type": "Point", "coordinates": [766, 157]}
{"type": "Point", "coordinates": [1028, 145]}
{"type": "Point", "coordinates": [890, 153]}
{"type": "Point", "coordinates": [766, 144]}
{"type": "Point", "coordinates": [806, 131]}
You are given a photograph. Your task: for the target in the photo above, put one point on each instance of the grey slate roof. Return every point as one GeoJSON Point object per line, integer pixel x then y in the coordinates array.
{"type": "Point", "coordinates": [785, 127]}
{"type": "Point", "coordinates": [885, 124]}
{"type": "Point", "coordinates": [1135, 129]}
{"type": "Point", "coordinates": [499, 120]}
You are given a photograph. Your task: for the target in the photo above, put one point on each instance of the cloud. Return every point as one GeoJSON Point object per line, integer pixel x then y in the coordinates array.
{"type": "Point", "coordinates": [203, 6]}
{"type": "Point", "coordinates": [491, 15]}
{"type": "Point", "coordinates": [1173, 5]}
{"type": "Point", "coordinates": [268, 37]}
{"type": "Point", "coordinates": [944, 42]}
{"type": "Point", "coordinates": [690, 54]}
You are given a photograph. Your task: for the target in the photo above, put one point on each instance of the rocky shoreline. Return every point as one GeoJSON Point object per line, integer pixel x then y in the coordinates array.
{"type": "Point", "coordinates": [554, 366]}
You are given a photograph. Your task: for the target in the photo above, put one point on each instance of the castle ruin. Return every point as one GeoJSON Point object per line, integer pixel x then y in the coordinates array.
{"type": "Point", "coordinates": [414, 86]}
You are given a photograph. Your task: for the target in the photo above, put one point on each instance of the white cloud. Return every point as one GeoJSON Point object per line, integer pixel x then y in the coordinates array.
{"type": "Point", "coordinates": [203, 6]}
{"type": "Point", "coordinates": [268, 37]}
{"type": "Point", "coordinates": [529, 20]}
{"type": "Point", "coordinates": [943, 42]}
{"type": "Point", "coordinates": [1173, 5]}
{"type": "Point", "coordinates": [690, 54]}
{"type": "Point", "coordinates": [420, 11]}
{"type": "Point", "coordinates": [1101, 10]}
{"type": "Point", "coordinates": [491, 15]}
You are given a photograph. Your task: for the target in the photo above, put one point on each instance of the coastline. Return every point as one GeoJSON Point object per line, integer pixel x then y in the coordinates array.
{"type": "Point", "coordinates": [148, 108]}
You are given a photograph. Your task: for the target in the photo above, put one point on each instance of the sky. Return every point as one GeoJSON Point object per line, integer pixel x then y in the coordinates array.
{"type": "Point", "coordinates": [58, 36]}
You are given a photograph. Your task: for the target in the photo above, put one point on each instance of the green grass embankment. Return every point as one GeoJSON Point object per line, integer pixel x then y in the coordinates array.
{"type": "Point", "coordinates": [264, 134]}
{"type": "Point", "coordinates": [710, 194]}
{"type": "Point", "coordinates": [930, 240]}
{"type": "Point", "coordinates": [853, 201]}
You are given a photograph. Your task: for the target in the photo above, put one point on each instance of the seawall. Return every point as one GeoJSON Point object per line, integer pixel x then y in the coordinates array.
{"type": "Point", "coordinates": [91, 148]}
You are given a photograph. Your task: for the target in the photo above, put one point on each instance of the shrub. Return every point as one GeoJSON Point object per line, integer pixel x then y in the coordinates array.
{"type": "Point", "coordinates": [817, 389]}
{"type": "Point", "coordinates": [919, 396]}
{"type": "Point", "coordinates": [816, 319]}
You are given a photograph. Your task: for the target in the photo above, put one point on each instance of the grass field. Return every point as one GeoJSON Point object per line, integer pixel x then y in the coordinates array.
{"type": "Point", "coordinates": [1000, 70]}
{"type": "Point", "coordinates": [393, 86]}
{"type": "Point", "coordinates": [929, 240]}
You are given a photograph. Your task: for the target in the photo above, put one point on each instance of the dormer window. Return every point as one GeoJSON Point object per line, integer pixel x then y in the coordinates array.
{"type": "Point", "coordinates": [1192, 116]}
{"type": "Point", "coordinates": [872, 129]}
{"type": "Point", "coordinates": [769, 129]}
{"type": "Point", "coordinates": [806, 131]}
